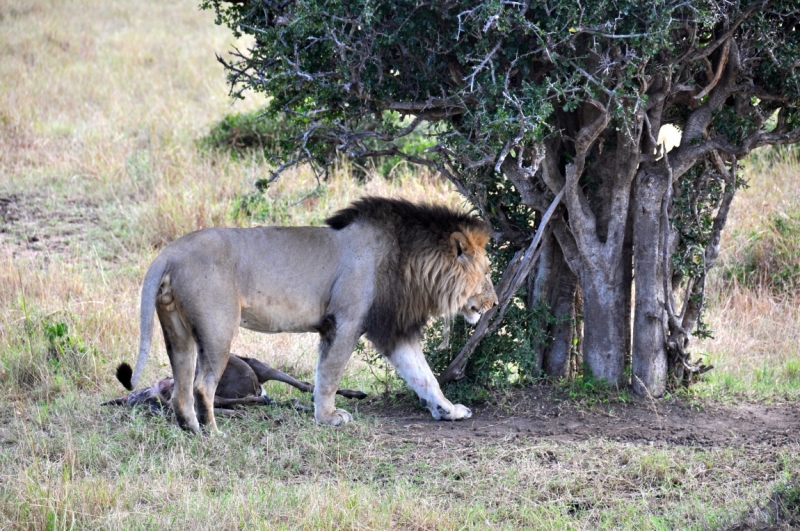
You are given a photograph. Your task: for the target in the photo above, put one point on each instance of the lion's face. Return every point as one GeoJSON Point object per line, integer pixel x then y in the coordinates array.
{"type": "Point", "coordinates": [480, 301]}
{"type": "Point", "coordinates": [479, 292]}
{"type": "Point", "coordinates": [451, 282]}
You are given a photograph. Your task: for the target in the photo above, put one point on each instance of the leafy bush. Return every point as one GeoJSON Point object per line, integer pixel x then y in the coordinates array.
{"type": "Point", "coordinates": [771, 258]}
{"type": "Point", "coordinates": [260, 131]}
{"type": "Point", "coordinates": [413, 144]}
{"type": "Point", "coordinates": [243, 133]}
{"type": "Point", "coordinates": [509, 357]}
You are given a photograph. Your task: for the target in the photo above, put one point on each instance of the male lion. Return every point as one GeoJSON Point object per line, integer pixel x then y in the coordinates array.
{"type": "Point", "coordinates": [380, 268]}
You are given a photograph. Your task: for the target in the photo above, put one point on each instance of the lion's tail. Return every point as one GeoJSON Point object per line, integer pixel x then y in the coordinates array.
{"type": "Point", "coordinates": [152, 282]}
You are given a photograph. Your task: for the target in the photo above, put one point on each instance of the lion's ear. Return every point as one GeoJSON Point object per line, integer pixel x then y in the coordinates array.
{"type": "Point", "coordinates": [458, 243]}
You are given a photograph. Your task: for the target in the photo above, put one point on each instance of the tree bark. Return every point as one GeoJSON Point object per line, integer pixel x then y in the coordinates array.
{"type": "Point", "coordinates": [604, 328]}
{"type": "Point", "coordinates": [627, 276]}
{"type": "Point", "coordinates": [649, 360]}
{"type": "Point", "coordinates": [557, 359]}
{"type": "Point", "coordinates": [541, 287]}
{"type": "Point", "coordinates": [555, 284]}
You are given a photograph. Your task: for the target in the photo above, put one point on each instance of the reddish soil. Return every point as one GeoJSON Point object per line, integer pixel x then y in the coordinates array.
{"type": "Point", "coordinates": [543, 412]}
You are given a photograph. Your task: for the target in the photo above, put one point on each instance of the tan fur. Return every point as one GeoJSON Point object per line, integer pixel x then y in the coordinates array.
{"type": "Point", "coordinates": [440, 283]}
{"type": "Point", "coordinates": [381, 268]}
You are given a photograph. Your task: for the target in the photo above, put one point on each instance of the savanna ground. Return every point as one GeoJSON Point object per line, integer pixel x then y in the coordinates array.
{"type": "Point", "coordinates": [101, 107]}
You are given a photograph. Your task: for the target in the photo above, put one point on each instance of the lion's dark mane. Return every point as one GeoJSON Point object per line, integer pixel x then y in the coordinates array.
{"type": "Point", "coordinates": [412, 229]}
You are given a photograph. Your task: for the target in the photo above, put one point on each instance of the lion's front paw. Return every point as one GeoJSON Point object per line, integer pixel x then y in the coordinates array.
{"type": "Point", "coordinates": [461, 412]}
{"type": "Point", "coordinates": [453, 412]}
{"type": "Point", "coordinates": [338, 417]}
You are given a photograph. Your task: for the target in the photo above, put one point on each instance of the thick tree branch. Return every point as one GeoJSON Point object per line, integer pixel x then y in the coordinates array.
{"type": "Point", "coordinates": [513, 277]}
{"type": "Point", "coordinates": [720, 67]}
{"type": "Point", "coordinates": [663, 244]}
{"type": "Point", "coordinates": [525, 183]}
{"type": "Point", "coordinates": [581, 218]}
{"type": "Point", "coordinates": [627, 164]}
{"type": "Point", "coordinates": [550, 172]}
{"type": "Point", "coordinates": [566, 242]}
{"type": "Point", "coordinates": [697, 124]}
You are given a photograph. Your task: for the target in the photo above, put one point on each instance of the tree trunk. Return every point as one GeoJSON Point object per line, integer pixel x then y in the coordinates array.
{"type": "Point", "coordinates": [576, 357]}
{"type": "Point", "coordinates": [557, 360]}
{"type": "Point", "coordinates": [542, 285]}
{"type": "Point", "coordinates": [649, 364]}
{"type": "Point", "coordinates": [555, 284]}
{"type": "Point", "coordinates": [627, 276]}
{"type": "Point", "coordinates": [604, 328]}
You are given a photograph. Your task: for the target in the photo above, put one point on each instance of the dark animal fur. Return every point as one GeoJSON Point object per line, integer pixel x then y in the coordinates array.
{"type": "Point", "coordinates": [412, 227]}
{"type": "Point", "coordinates": [327, 332]}
{"type": "Point", "coordinates": [124, 374]}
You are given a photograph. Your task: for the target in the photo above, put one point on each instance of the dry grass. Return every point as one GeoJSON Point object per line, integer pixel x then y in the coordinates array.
{"type": "Point", "coordinates": [100, 107]}
{"type": "Point", "coordinates": [102, 113]}
{"type": "Point", "coordinates": [756, 348]}
{"type": "Point", "coordinates": [116, 470]}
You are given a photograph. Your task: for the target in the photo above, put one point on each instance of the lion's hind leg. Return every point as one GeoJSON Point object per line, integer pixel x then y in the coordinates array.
{"type": "Point", "coordinates": [182, 353]}
{"type": "Point", "coordinates": [210, 369]}
{"type": "Point", "coordinates": [213, 351]}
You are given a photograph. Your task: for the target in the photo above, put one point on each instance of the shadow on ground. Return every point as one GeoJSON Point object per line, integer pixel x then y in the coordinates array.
{"type": "Point", "coordinates": [545, 412]}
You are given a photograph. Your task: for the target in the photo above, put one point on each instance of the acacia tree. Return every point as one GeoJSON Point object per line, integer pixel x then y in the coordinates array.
{"type": "Point", "coordinates": [530, 105]}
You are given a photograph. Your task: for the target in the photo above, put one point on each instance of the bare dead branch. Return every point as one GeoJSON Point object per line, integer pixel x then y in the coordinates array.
{"type": "Point", "coordinates": [516, 272]}
{"type": "Point", "coordinates": [482, 65]}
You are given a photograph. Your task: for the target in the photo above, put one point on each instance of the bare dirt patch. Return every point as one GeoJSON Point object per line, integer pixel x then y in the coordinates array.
{"type": "Point", "coordinates": [543, 412]}
{"type": "Point", "coordinates": [31, 224]}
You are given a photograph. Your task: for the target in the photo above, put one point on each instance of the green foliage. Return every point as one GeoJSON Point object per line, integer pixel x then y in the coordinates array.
{"type": "Point", "coordinates": [693, 210]}
{"type": "Point", "coordinates": [414, 144]}
{"type": "Point", "coordinates": [244, 133]}
{"type": "Point", "coordinates": [63, 348]}
{"type": "Point", "coordinates": [267, 133]}
{"type": "Point", "coordinates": [771, 258]}
{"type": "Point", "coordinates": [732, 126]}
{"type": "Point", "coordinates": [505, 69]}
{"type": "Point", "coordinates": [787, 498]}
{"type": "Point", "coordinates": [696, 198]}
{"type": "Point", "coordinates": [509, 357]}
{"type": "Point", "coordinates": [45, 355]}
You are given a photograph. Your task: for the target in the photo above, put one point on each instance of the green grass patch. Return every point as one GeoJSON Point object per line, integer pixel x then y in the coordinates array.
{"type": "Point", "coordinates": [772, 380]}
